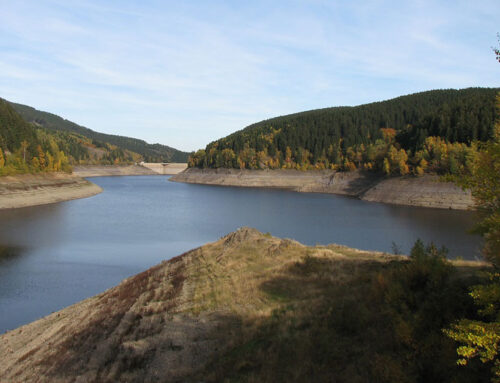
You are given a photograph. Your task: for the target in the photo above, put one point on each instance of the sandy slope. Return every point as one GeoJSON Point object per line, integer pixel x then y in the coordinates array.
{"type": "Point", "coordinates": [111, 170]}
{"type": "Point", "coordinates": [427, 191]}
{"type": "Point", "coordinates": [128, 170]}
{"type": "Point", "coordinates": [44, 188]}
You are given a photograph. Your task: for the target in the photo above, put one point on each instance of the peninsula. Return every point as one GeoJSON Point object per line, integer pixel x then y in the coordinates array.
{"type": "Point", "coordinates": [25, 190]}
{"type": "Point", "coordinates": [254, 308]}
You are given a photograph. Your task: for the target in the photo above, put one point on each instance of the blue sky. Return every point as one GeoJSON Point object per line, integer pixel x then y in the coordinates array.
{"type": "Point", "coordinates": [184, 73]}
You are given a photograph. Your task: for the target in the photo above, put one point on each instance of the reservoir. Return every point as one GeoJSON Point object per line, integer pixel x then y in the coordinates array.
{"type": "Point", "coordinates": [55, 255]}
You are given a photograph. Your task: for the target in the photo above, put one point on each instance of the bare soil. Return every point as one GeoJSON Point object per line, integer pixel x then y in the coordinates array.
{"type": "Point", "coordinates": [44, 188]}
{"type": "Point", "coordinates": [426, 191]}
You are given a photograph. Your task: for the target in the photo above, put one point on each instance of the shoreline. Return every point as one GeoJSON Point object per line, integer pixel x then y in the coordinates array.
{"type": "Point", "coordinates": [28, 190]}
{"type": "Point", "coordinates": [111, 171]}
{"type": "Point", "coordinates": [144, 169]}
{"type": "Point", "coordinates": [425, 191]}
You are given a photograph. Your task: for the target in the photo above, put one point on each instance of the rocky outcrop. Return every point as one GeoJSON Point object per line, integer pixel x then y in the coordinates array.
{"type": "Point", "coordinates": [427, 191]}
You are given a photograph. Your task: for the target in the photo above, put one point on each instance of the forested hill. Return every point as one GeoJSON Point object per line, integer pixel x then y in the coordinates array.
{"type": "Point", "coordinates": [24, 149]}
{"type": "Point", "coordinates": [13, 129]}
{"type": "Point", "coordinates": [429, 131]}
{"type": "Point", "coordinates": [149, 152]}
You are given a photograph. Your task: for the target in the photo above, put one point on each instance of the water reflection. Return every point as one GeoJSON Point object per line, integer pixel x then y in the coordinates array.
{"type": "Point", "coordinates": [32, 226]}
{"type": "Point", "coordinates": [8, 252]}
{"type": "Point", "coordinates": [450, 228]}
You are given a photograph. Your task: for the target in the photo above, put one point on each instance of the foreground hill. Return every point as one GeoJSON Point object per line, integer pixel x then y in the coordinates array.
{"type": "Point", "coordinates": [432, 131]}
{"type": "Point", "coordinates": [149, 152]}
{"type": "Point", "coordinates": [251, 307]}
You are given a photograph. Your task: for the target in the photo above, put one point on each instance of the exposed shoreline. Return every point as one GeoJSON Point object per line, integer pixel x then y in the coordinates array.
{"type": "Point", "coordinates": [45, 188]}
{"type": "Point", "coordinates": [26, 190]}
{"type": "Point", "coordinates": [111, 170]}
{"type": "Point", "coordinates": [426, 191]}
{"type": "Point", "coordinates": [145, 169]}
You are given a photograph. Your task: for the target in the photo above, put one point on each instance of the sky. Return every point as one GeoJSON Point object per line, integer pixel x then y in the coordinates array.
{"type": "Point", "coordinates": [185, 73]}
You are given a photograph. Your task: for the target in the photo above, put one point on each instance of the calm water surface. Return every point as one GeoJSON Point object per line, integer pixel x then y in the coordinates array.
{"type": "Point", "coordinates": [62, 253]}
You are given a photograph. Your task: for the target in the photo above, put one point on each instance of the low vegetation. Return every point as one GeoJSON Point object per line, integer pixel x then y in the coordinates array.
{"type": "Point", "coordinates": [352, 318]}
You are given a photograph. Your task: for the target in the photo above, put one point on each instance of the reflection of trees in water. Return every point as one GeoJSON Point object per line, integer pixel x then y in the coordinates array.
{"type": "Point", "coordinates": [7, 252]}
{"type": "Point", "coordinates": [441, 225]}
{"type": "Point", "coordinates": [31, 226]}
{"type": "Point", "coordinates": [430, 217]}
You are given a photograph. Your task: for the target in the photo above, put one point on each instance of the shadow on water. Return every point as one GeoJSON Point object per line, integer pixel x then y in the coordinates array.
{"type": "Point", "coordinates": [31, 226]}
{"type": "Point", "coordinates": [8, 252]}
{"type": "Point", "coordinates": [455, 229]}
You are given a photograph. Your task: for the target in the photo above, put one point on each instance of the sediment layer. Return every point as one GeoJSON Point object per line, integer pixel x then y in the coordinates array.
{"type": "Point", "coordinates": [111, 170]}
{"type": "Point", "coordinates": [41, 189]}
{"type": "Point", "coordinates": [426, 191]}
{"type": "Point", "coordinates": [144, 169]}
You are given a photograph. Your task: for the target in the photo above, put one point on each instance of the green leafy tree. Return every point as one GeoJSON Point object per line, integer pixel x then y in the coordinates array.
{"type": "Point", "coordinates": [481, 338]}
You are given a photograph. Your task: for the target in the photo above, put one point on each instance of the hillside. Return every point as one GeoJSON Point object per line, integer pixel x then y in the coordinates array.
{"type": "Point", "coordinates": [149, 152]}
{"type": "Point", "coordinates": [25, 149]}
{"type": "Point", "coordinates": [432, 131]}
{"type": "Point", "coordinates": [254, 308]}
{"type": "Point", "coordinates": [13, 129]}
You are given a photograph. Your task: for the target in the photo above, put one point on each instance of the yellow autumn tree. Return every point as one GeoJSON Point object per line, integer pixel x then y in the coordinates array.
{"type": "Point", "coordinates": [481, 338]}
{"type": "Point", "coordinates": [386, 167]}
{"type": "Point", "coordinates": [41, 157]}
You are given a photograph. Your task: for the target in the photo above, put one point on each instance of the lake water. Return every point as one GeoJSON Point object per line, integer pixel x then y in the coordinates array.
{"type": "Point", "coordinates": [62, 253]}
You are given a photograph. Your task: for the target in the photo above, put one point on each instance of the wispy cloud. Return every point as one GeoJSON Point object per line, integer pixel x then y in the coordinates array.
{"type": "Point", "coordinates": [186, 73]}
